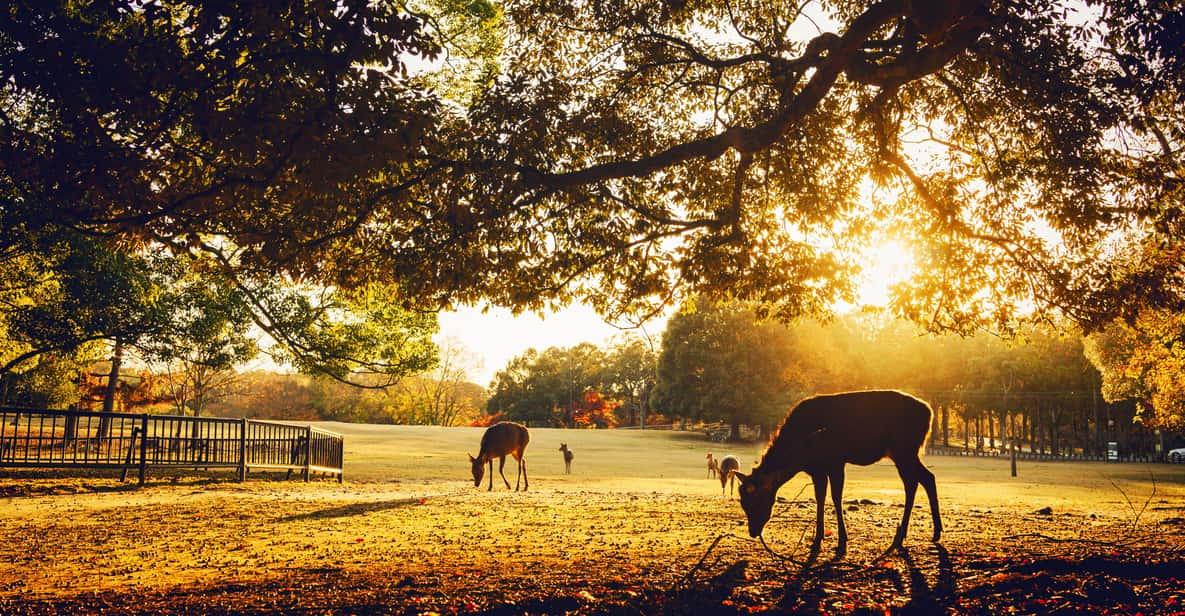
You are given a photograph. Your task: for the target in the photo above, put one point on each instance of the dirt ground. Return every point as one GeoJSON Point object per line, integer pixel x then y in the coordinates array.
{"type": "Point", "coordinates": [202, 546]}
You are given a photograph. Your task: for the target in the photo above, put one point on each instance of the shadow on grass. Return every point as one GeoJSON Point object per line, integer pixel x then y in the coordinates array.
{"type": "Point", "coordinates": [813, 586]}
{"type": "Point", "coordinates": [926, 599]}
{"type": "Point", "coordinates": [708, 596]}
{"type": "Point", "coordinates": [346, 511]}
{"type": "Point", "coordinates": [27, 483]}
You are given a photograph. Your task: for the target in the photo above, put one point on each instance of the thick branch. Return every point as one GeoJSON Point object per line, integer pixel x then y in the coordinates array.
{"type": "Point", "coordinates": [792, 108]}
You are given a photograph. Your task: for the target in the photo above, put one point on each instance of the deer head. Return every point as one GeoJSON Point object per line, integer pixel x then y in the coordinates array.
{"type": "Point", "coordinates": [479, 470]}
{"type": "Point", "coordinates": [758, 491]}
{"type": "Point", "coordinates": [759, 488]}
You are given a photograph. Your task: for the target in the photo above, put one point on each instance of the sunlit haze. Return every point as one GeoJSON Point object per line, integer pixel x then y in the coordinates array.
{"type": "Point", "coordinates": [496, 336]}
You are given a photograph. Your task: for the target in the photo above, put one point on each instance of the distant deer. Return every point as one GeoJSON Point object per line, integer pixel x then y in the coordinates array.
{"type": "Point", "coordinates": [728, 467]}
{"type": "Point", "coordinates": [500, 440]}
{"type": "Point", "coordinates": [713, 466]}
{"type": "Point", "coordinates": [824, 433]}
{"type": "Point", "coordinates": [567, 458]}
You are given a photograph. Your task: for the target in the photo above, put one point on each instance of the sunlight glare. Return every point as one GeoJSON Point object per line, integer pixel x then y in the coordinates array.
{"type": "Point", "coordinates": [885, 264]}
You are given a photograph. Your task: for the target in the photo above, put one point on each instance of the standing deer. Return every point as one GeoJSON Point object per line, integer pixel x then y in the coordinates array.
{"type": "Point", "coordinates": [729, 465]}
{"type": "Point", "coordinates": [500, 440]}
{"type": "Point", "coordinates": [713, 466]}
{"type": "Point", "coordinates": [567, 458]}
{"type": "Point", "coordinates": [824, 433]}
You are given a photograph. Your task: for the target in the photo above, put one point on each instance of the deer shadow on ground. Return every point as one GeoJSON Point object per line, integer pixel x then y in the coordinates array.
{"type": "Point", "coordinates": [924, 598]}
{"type": "Point", "coordinates": [707, 596]}
{"type": "Point", "coordinates": [811, 586]}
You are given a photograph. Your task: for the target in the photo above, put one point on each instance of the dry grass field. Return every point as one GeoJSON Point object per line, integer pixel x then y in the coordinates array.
{"type": "Point", "coordinates": [635, 529]}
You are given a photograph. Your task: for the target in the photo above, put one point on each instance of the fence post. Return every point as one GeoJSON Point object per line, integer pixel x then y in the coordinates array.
{"type": "Point", "coordinates": [123, 475]}
{"type": "Point", "coordinates": [308, 451]}
{"type": "Point", "coordinates": [243, 450]}
{"type": "Point", "coordinates": [143, 447]}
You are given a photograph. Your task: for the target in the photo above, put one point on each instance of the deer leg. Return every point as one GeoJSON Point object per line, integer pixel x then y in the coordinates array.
{"type": "Point", "coordinates": [909, 477]}
{"type": "Point", "coordinates": [820, 482]}
{"type": "Point", "coordinates": [932, 492]}
{"type": "Point", "coordinates": [501, 466]}
{"type": "Point", "coordinates": [491, 475]}
{"type": "Point", "coordinates": [837, 478]}
{"type": "Point", "coordinates": [522, 473]}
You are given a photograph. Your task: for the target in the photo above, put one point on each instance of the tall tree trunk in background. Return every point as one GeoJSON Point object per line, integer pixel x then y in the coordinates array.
{"type": "Point", "coordinates": [734, 428]}
{"type": "Point", "coordinates": [643, 408]}
{"type": "Point", "coordinates": [1053, 430]}
{"type": "Point", "coordinates": [112, 385]}
{"type": "Point", "coordinates": [945, 425]}
{"type": "Point", "coordinates": [113, 377]}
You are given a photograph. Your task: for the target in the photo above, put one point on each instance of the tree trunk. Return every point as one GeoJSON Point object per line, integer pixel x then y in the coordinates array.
{"type": "Point", "coordinates": [112, 385]}
{"type": "Point", "coordinates": [734, 429]}
{"type": "Point", "coordinates": [113, 377]}
{"type": "Point", "coordinates": [945, 426]}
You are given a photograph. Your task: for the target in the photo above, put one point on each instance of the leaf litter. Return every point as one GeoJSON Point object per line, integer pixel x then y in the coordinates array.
{"type": "Point", "coordinates": [446, 548]}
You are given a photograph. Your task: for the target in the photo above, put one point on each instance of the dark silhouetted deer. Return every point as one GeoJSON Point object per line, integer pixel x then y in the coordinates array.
{"type": "Point", "coordinates": [713, 466]}
{"type": "Point", "coordinates": [728, 467]}
{"type": "Point", "coordinates": [500, 440]}
{"type": "Point", "coordinates": [824, 433]}
{"type": "Point", "coordinates": [567, 458]}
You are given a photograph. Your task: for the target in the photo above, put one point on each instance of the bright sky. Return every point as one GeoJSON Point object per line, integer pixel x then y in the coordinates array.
{"type": "Point", "coordinates": [497, 336]}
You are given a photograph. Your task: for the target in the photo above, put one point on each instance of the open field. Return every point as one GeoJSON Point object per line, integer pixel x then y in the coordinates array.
{"type": "Point", "coordinates": [635, 529]}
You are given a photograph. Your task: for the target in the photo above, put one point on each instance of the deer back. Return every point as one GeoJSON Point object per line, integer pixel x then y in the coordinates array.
{"type": "Point", "coordinates": [728, 464]}
{"type": "Point", "coordinates": [503, 438]}
{"type": "Point", "coordinates": [854, 427]}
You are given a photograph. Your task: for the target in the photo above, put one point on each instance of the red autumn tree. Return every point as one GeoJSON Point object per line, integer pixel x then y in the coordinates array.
{"type": "Point", "coordinates": [594, 409]}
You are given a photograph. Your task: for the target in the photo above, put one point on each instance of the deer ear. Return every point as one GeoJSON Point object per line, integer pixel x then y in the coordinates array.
{"type": "Point", "coordinates": [741, 477]}
{"type": "Point", "coordinates": [470, 457]}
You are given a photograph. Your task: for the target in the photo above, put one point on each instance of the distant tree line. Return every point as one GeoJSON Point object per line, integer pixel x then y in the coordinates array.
{"type": "Point", "coordinates": [719, 363]}
{"type": "Point", "coordinates": [582, 385]}
{"type": "Point", "coordinates": [416, 400]}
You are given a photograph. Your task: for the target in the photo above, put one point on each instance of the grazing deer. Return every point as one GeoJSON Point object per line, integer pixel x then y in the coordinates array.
{"type": "Point", "coordinates": [824, 433]}
{"type": "Point", "coordinates": [567, 458]}
{"type": "Point", "coordinates": [729, 465]}
{"type": "Point", "coordinates": [500, 440]}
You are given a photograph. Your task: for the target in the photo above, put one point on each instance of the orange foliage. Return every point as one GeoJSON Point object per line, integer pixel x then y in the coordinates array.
{"type": "Point", "coordinates": [595, 410]}
{"type": "Point", "coordinates": [488, 420]}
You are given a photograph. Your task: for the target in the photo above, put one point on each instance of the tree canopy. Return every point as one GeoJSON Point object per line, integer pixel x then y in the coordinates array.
{"type": "Point", "coordinates": [626, 154]}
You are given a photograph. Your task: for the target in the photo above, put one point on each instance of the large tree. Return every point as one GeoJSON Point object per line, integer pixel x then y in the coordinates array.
{"type": "Point", "coordinates": [545, 388]}
{"type": "Point", "coordinates": [630, 371]}
{"type": "Point", "coordinates": [626, 153]}
{"type": "Point", "coordinates": [1046, 134]}
{"type": "Point", "coordinates": [719, 363]}
{"type": "Point", "coordinates": [1144, 361]}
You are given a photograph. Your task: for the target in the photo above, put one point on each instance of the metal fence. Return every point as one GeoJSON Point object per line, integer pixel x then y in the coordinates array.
{"type": "Point", "coordinates": [84, 439]}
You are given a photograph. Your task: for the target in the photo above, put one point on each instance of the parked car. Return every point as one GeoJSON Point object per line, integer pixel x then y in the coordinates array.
{"type": "Point", "coordinates": [1177, 455]}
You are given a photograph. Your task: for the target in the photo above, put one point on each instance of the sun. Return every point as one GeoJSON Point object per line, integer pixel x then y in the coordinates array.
{"type": "Point", "coordinates": [884, 264]}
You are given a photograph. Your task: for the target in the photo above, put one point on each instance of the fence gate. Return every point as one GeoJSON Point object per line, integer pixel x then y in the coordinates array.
{"type": "Point", "coordinates": [85, 439]}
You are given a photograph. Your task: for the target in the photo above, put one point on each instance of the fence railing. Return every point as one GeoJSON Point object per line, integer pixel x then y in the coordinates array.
{"type": "Point", "coordinates": [1036, 456]}
{"type": "Point", "coordinates": [86, 439]}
